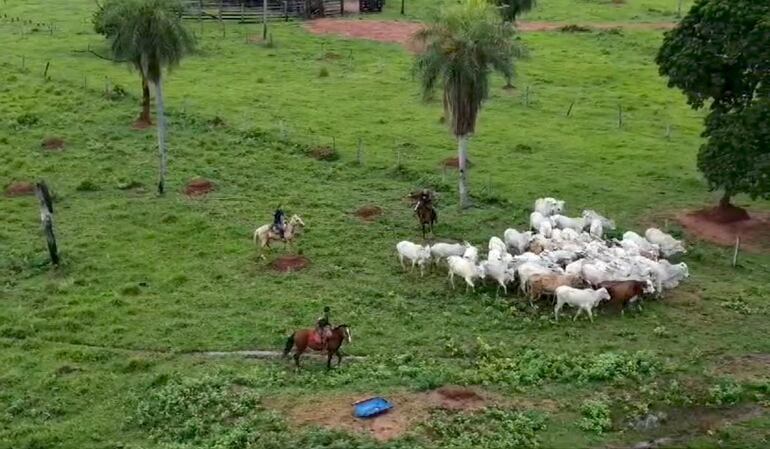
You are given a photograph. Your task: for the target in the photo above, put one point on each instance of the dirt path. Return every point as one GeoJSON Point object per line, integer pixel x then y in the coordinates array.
{"type": "Point", "coordinates": [401, 32]}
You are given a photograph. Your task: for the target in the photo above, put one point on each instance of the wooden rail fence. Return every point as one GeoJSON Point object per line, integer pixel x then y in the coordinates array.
{"type": "Point", "coordinates": [253, 11]}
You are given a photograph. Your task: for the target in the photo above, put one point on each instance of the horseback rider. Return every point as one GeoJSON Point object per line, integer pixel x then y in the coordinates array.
{"type": "Point", "coordinates": [423, 199]}
{"type": "Point", "coordinates": [323, 327]}
{"type": "Point", "coordinates": [279, 222]}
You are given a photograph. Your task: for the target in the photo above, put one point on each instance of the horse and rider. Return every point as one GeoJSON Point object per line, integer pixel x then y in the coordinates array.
{"type": "Point", "coordinates": [323, 338]}
{"type": "Point", "coordinates": [425, 211]}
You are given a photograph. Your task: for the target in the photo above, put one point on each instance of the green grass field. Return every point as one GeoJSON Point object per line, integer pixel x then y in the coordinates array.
{"type": "Point", "coordinates": [99, 353]}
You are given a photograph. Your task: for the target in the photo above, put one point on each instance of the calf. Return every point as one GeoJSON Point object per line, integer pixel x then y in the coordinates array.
{"type": "Point", "coordinates": [625, 293]}
{"type": "Point", "coordinates": [584, 300]}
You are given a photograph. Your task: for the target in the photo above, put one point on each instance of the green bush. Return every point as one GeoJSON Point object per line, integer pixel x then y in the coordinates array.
{"type": "Point", "coordinates": [596, 416]}
{"type": "Point", "coordinates": [493, 428]}
{"type": "Point", "coordinates": [87, 186]}
{"type": "Point", "coordinates": [725, 393]}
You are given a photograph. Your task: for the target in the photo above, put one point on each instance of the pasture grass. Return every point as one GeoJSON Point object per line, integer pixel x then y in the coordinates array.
{"type": "Point", "coordinates": [98, 353]}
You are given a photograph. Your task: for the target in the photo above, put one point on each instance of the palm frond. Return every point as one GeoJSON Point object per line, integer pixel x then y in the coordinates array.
{"type": "Point", "coordinates": [463, 46]}
{"type": "Point", "coordinates": [151, 34]}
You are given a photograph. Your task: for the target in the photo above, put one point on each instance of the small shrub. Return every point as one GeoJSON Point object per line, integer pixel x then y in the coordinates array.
{"type": "Point", "coordinates": [87, 186]}
{"type": "Point", "coordinates": [725, 393]}
{"type": "Point", "coordinates": [323, 73]}
{"type": "Point", "coordinates": [324, 154]}
{"type": "Point", "coordinates": [572, 28]}
{"type": "Point", "coordinates": [522, 148]}
{"type": "Point", "coordinates": [492, 428]}
{"type": "Point", "coordinates": [27, 119]}
{"type": "Point", "coordinates": [130, 290]}
{"type": "Point", "coordinates": [596, 416]}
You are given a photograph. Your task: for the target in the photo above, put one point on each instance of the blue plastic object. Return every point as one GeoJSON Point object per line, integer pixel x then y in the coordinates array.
{"type": "Point", "coordinates": [369, 408]}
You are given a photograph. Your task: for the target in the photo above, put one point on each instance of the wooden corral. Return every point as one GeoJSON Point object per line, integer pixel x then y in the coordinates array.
{"type": "Point", "coordinates": [252, 11]}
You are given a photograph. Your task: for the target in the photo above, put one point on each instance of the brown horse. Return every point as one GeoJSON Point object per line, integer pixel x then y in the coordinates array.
{"type": "Point", "coordinates": [302, 340]}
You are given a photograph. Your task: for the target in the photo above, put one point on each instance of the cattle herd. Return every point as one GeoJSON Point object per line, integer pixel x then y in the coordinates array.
{"type": "Point", "coordinates": [567, 259]}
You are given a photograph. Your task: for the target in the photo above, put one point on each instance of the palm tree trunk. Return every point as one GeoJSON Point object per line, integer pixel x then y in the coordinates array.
{"type": "Point", "coordinates": [462, 161]}
{"type": "Point", "coordinates": [145, 115]}
{"type": "Point", "coordinates": [161, 135]}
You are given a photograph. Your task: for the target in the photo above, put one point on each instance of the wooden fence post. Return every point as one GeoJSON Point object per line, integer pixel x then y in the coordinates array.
{"type": "Point", "coordinates": [735, 253]}
{"type": "Point", "coordinates": [45, 72]}
{"type": "Point", "coordinates": [285, 11]}
{"type": "Point", "coordinates": [342, 8]}
{"type": "Point", "coordinates": [46, 219]}
{"type": "Point", "coordinates": [264, 21]}
{"type": "Point", "coordinates": [620, 115]}
{"type": "Point", "coordinates": [402, 7]}
{"type": "Point", "coordinates": [569, 110]}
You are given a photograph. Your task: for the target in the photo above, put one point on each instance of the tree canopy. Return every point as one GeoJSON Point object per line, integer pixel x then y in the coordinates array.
{"type": "Point", "coordinates": [719, 56]}
{"type": "Point", "coordinates": [149, 32]}
{"type": "Point", "coordinates": [463, 46]}
{"type": "Point", "coordinates": [510, 10]}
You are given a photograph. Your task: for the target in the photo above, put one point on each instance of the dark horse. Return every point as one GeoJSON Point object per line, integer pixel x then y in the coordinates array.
{"type": "Point", "coordinates": [425, 211]}
{"type": "Point", "coordinates": [307, 338]}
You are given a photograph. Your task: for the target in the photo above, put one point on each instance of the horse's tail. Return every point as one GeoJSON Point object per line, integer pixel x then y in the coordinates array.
{"type": "Point", "coordinates": [289, 345]}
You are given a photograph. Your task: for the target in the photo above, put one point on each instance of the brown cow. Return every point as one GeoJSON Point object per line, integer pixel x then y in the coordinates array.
{"type": "Point", "coordinates": [624, 293]}
{"type": "Point", "coordinates": [546, 284]}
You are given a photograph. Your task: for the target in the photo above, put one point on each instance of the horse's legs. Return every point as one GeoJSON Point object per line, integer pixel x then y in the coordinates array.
{"type": "Point", "coordinates": [339, 357]}
{"type": "Point", "coordinates": [329, 361]}
{"type": "Point", "coordinates": [452, 278]}
{"type": "Point", "coordinates": [414, 261]}
{"type": "Point", "coordinates": [296, 358]}
{"type": "Point", "coordinates": [401, 259]}
{"type": "Point", "coordinates": [590, 314]}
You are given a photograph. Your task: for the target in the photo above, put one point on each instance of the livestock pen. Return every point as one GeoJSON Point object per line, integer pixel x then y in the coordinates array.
{"type": "Point", "coordinates": [252, 11]}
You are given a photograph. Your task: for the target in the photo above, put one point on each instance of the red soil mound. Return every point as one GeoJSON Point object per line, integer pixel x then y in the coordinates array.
{"type": "Point", "coordinates": [369, 213]}
{"type": "Point", "coordinates": [453, 162]}
{"type": "Point", "coordinates": [141, 125]}
{"type": "Point", "coordinates": [199, 187]}
{"type": "Point", "coordinates": [723, 225]}
{"type": "Point", "coordinates": [21, 188]}
{"type": "Point", "coordinates": [287, 264]}
{"type": "Point", "coordinates": [53, 143]}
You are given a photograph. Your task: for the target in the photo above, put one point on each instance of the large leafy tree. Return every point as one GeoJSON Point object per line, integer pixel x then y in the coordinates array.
{"type": "Point", "coordinates": [151, 35]}
{"type": "Point", "coordinates": [719, 56]}
{"type": "Point", "coordinates": [510, 10]}
{"type": "Point", "coordinates": [463, 46]}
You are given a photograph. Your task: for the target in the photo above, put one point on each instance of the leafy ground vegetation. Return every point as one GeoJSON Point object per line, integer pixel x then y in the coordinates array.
{"type": "Point", "coordinates": [100, 353]}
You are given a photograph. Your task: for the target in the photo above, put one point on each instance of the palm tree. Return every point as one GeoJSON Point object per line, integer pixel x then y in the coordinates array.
{"type": "Point", "coordinates": [106, 20]}
{"type": "Point", "coordinates": [151, 35]}
{"type": "Point", "coordinates": [463, 46]}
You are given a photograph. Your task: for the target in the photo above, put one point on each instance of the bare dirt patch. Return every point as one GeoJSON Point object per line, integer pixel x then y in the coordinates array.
{"type": "Point", "coordinates": [287, 264]}
{"type": "Point", "coordinates": [746, 368]}
{"type": "Point", "coordinates": [369, 212]}
{"type": "Point", "coordinates": [402, 32]}
{"type": "Point", "coordinates": [324, 154]}
{"type": "Point", "coordinates": [141, 125]}
{"type": "Point", "coordinates": [409, 409]}
{"type": "Point", "coordinates": [53, 144]}
{"type": "Point", "coordinates": [198, 187]}
{"type": "Point", "coordinates": [453, 162]}
{"type": "Point", "coordinates": [20, 188]}
{"type": "Point", "coordinates": [684, 423]}
{"type": "Point", "coordinates": [720, 228]}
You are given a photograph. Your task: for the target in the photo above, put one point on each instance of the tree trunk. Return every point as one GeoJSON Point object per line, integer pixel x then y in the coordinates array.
{"type": "Point", "coordinates": [161, 135]}
{"type": "Point", "coordinates": [724, 202]}
{"type": "Point", "coordinates": [145, 115]}
{"type": "Point", "coordinates": [462, 161]}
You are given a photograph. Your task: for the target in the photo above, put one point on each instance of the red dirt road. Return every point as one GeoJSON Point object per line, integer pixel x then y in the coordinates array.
{"type": "Point", "coordinates": [402, 32]}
